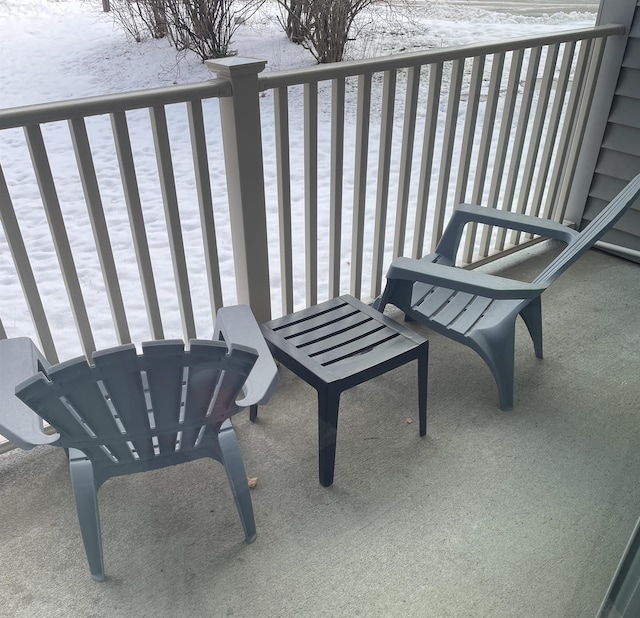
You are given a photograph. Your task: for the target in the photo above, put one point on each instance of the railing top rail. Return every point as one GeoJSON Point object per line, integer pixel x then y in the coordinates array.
{"type": "Point", "coordinates": [138, 99]}
{"type": "Point", "coordinates": [323, 72]}
{"type": "Point", "coordinates": [12, 117]}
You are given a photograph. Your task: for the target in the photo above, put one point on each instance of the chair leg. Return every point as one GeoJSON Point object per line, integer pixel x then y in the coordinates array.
{"type": "Point", "coordinates": [379, 303]}
{"type": "Point", "coordinates": [234, 467]}
{"type": "Point", "coordinates": [497, 348]}
{"type": "Point", "coordinates": [328, 404]}
{"type": "Point", "coordinates": [85, 492]}
{"type": "Point", "coordinates": [532, 316]}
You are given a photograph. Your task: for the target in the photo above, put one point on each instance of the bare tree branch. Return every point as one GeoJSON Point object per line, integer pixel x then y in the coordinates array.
{"type": "Point", "coordinates": [203, 26]}
{"type": "Point", "coordinates": [322, 26]}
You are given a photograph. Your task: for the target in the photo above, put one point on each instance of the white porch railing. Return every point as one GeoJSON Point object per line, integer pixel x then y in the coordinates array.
{"type": "Point", "coordinates": [390, 146]}
{"type": "Point", "coordinates": [493, 124]}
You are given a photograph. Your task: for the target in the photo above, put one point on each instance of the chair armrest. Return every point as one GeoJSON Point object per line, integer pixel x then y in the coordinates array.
{"type": "Point", "coordinates": [461, 280]}
{"type": "Point", "coordinates": [469, 213]}
{"type": "Point", "coordinates": [237, 325]}
{"type": "Point", "coordinates": [19, 360]}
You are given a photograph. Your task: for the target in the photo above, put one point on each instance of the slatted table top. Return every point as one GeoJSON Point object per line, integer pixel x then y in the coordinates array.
{"type": "Point", "coordinates": [338, 340]}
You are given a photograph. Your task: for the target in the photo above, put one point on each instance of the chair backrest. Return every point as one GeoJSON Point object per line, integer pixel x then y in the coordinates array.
{"type": "Point", "coordinates": [591, 233]}
{"type": "Point", "coordinates": [129, 410]}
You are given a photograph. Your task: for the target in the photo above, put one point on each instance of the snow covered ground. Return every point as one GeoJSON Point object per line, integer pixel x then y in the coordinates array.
{"type": "Point", "coordinates": [52, 50]}
{"type": "Point", "coordinates": [57, 50]}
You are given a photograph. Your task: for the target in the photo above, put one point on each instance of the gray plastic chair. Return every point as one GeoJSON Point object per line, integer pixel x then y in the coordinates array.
{"type": "Point", "coordinates": [480, 310]}
{"type": "Point", "coordinates": [130, 413]}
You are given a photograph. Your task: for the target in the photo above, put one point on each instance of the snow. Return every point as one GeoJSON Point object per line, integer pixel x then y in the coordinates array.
{"type": "Point", "coordinates": [67, 49]}
{"type": "Point", "coordinates": [54, 50]}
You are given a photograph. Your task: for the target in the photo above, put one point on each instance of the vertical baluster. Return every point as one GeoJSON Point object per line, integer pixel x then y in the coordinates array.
{"type": "Point", "coordinates": [544, 93]}
{"type": "Point", "coordinates": [568, 124]}
{"type": "Point", "coordinates": [311, 190]}
{"type": "Point", "coordinates": [172, 217]}
{"type": "Point", "coordinates": [382, 190]}
{"type": "Point", "coordinates": [406, 158]}
{"type": "Point", "coordinates": [25, 273]}
{"type": "Point", "coordinates": [205, 202]}
{"type": "Point", "coordinates": [470, 122]}
{"type": "Point", "coordinates": [337, 171]}
{"type": "Point", "coordinates": [86, 168]}
{"type": "Point", "coordinates": [283, 171]}
{"type": "Point", "coordinates": [426, 165]}
{"type": "Point", "coordinates": [51, 204]}
{"type": "Point", "coordinates": [453, 104]}
{"type": "Point", "coordinates": [503, 144]}
{"type": "Point", "coordinates": [360, 182]}
{"type": "Point", "coordinates": [551, 132]}
{"type": "Point", "coordinates": [524, 112]}
{"type": "Point", "coordinates": [488, 123]}
{"type": "Point", "coordinates": [136, 221]}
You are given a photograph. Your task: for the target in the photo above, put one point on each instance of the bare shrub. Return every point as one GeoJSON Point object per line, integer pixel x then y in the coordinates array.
{"type": "Point", "coordinates": [141, 19]}
{"type": "Point", "coordinates": [291, 19]}
{"type": "Point", "coordinates": [206, 26]}
{"type": "Point", "coordinates": [203, 26]}
{"type": "Point", "coordinates": [324, 27]}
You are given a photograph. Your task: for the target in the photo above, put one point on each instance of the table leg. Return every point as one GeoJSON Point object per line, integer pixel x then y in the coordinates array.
{"type": "Point", "coordinates": [423, 374]}
{"type": "Point", "coordinates": [328, 403]}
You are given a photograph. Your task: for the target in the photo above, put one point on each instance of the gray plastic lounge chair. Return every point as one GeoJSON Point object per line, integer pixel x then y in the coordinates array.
{"type": "Point", "coordinates": [480, 310]}
{"type": "Point", "coordinates": [130, 413]}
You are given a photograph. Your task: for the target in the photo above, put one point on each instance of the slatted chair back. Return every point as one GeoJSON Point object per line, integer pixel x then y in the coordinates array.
{"type": "Point", "coordinates": [130, 412]}
{"type": "Point", "coordinates": [593, 232]}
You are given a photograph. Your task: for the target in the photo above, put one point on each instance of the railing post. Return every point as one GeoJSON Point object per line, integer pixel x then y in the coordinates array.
{"type": "Point", "coordinates": [242, 139]}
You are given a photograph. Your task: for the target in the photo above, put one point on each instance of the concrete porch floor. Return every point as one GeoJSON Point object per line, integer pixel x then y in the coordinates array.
{"type": "Point", "coordinates": [493, 514]}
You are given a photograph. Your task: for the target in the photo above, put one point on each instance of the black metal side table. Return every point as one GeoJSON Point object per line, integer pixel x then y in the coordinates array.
{"type": "Point", "coordinates": [336, 345]}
